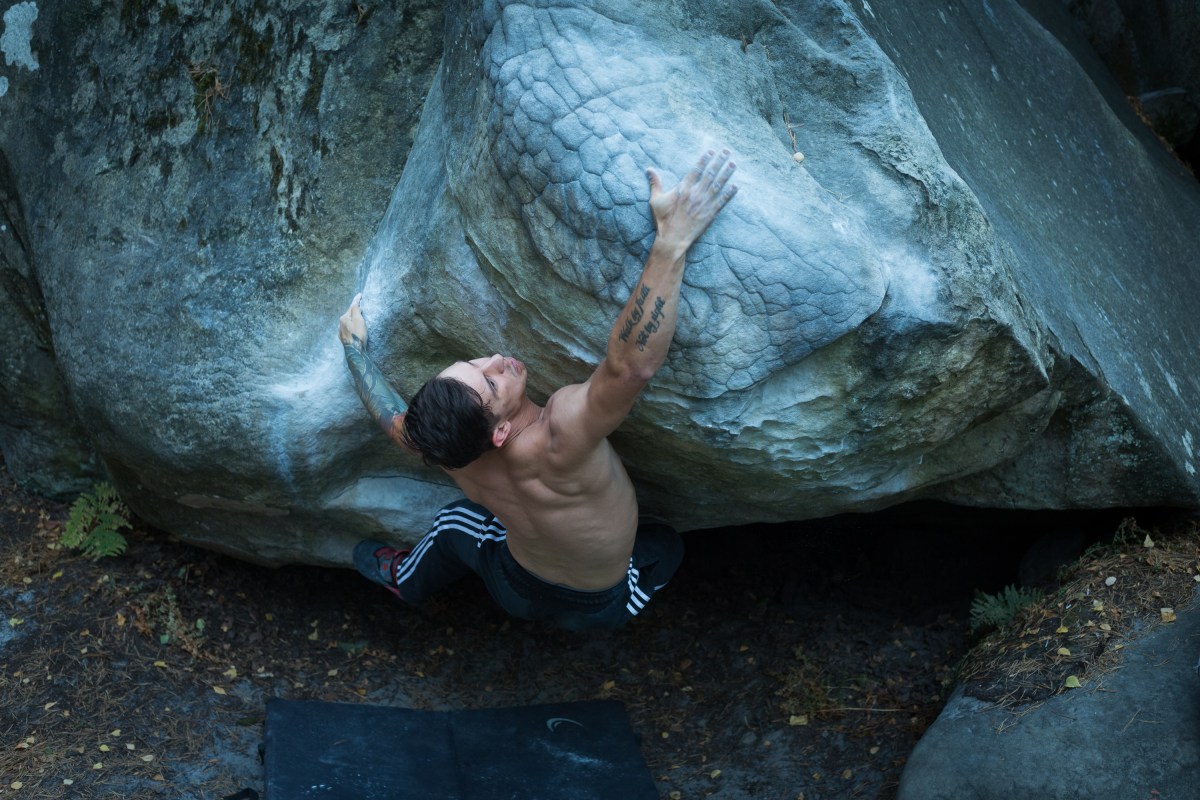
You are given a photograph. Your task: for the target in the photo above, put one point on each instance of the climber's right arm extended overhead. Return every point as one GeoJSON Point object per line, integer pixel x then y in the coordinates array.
{"type": "Point", "coordinates": [638, 342]}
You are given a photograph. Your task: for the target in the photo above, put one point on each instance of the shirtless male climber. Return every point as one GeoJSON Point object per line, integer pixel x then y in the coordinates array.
{"type": "Point", "coordinates": [551, 524]}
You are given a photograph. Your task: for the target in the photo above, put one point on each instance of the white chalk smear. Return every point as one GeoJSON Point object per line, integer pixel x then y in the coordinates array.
{"type": "Point", "coordinates": [18, 35]}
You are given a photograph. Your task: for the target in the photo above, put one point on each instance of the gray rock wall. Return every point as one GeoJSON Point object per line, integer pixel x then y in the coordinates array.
{"type": "Point", "coordinates": [189, 174]}
{"type": "Point", "coordinates": [1063, 175]}
{"type": "Point", "coordinates": [972, 286]}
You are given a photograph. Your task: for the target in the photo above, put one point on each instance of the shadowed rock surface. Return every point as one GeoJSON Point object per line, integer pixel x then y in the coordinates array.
{"type": "Point", "coordinates": [1128, 733]}
{"type": "Point", "coordinates": [974, 285]}
{"type": "Point", "coordinates": [1150, 49]}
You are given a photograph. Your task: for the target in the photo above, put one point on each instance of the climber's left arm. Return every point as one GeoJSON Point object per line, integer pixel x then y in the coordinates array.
{"type": "Point", "coordinates": [384, 403]}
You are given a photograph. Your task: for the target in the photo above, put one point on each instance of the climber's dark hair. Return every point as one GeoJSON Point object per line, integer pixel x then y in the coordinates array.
{"type": "Point", "coordinates": [448, 424]}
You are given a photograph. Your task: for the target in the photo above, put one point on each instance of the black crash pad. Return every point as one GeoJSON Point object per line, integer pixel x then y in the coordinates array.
{"type": "Point", "coordinates": [563, 751]}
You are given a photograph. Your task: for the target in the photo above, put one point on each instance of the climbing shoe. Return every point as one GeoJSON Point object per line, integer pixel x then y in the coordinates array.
{"type": "Point", "coordinates": [378, 562]}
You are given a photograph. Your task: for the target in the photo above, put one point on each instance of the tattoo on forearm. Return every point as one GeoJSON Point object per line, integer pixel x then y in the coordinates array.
{"type": "Point", "coordinates": [377, 395]}
{"type": "Point", "coordinates": [635, 314]}
{"type": "Point", "coordinates": [652, 324]}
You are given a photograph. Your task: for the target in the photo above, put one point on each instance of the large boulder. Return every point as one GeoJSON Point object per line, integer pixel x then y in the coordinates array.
{"type": "Point", "coordinates": [958, 265]}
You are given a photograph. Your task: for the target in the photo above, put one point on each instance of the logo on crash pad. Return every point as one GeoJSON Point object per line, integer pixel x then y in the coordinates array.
{"type": "Point", "coordinates": [554, 722]}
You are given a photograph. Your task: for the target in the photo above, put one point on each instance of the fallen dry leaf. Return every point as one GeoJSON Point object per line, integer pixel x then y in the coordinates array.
{"type": "Point", "coordinates": [1167, 614]}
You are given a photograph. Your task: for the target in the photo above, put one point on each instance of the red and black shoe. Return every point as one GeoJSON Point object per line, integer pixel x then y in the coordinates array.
{"type": "Point", "coordinates": [378, 563]}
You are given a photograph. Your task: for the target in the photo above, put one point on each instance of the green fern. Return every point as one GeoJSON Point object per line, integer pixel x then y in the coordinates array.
{"type": "Point", "coordinates": [95, 522]}
{"type": "Point", "coordinates": [997, 610]}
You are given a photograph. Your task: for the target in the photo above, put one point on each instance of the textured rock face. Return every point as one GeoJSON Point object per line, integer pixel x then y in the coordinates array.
{"type": "Point", "coordinates": [940, 299]}
{"type": "Point", "coordinates": [191, 187]}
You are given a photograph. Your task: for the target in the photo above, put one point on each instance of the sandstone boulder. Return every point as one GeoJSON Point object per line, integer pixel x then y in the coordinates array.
{"type": "Point", "coordinates": [959, 267]}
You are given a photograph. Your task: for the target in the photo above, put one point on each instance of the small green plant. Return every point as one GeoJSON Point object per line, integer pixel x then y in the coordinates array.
{"type": "Point", "coordinates": [159, 614]}
{"type": "Point", "coordinates": [209, 89]}
{"type": "Point", "coordinates": [995, 610]}
{"type": "Point", "coordinates": [95, 522]}
{"type": "Point", "coordinates": [166, 614]}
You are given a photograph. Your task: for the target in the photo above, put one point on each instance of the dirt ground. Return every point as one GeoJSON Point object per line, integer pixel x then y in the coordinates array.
{"type": "Point", "coordinates": [783, 661]}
